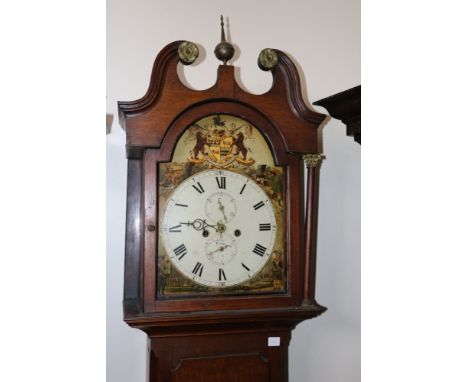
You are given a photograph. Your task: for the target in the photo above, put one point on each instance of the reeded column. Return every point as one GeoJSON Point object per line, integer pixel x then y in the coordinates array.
{"type": "Point", "coordinates": [312, 162]}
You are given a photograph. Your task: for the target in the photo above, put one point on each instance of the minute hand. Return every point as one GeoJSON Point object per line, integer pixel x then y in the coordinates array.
{"type": "Point", "coordinates": [221, 208]}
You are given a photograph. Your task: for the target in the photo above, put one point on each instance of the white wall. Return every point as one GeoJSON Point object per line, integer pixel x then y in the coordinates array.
{"type": "Point", "coordinates": [323, 37]}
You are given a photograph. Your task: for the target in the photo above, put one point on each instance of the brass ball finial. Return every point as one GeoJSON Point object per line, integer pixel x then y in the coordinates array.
{"type": "Point", "coordinates": [224, 51]}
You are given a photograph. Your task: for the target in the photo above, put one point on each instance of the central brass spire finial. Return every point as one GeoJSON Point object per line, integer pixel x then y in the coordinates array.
{"type": "Point", "coordinates": [224, 50]}
{"type": "Point", "coordinates": [223, 37]}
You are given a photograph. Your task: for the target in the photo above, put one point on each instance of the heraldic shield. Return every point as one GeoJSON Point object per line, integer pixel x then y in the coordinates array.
{"type": "Point", "coordinates": [220, 141]}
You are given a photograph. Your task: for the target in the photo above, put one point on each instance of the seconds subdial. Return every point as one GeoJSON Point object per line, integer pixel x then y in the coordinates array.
{"type": "Point", "coordinates": [220, 207]}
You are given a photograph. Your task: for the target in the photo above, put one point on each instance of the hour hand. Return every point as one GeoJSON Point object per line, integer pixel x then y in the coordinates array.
{"type": "Point", "coordinates": [198, 224]}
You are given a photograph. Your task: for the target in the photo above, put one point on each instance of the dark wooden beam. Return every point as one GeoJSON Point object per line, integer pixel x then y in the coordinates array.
{"type": "Point", "coordinates": [346, 106]}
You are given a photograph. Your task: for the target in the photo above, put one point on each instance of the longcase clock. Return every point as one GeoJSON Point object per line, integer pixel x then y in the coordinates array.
{"type": "Point", "coordinates": [220, 256]}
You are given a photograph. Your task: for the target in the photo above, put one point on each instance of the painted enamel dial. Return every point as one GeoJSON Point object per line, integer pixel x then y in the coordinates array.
{"type": "Point", "coordinates": [219, 228]}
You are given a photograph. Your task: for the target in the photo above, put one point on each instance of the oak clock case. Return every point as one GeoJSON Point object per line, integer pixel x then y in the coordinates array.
{"type": "Point", "coordinates": [220, 250]}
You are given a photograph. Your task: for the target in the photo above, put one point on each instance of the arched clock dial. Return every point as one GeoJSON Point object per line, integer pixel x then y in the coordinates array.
{"type": "Point", "coordinates": [219, 228]}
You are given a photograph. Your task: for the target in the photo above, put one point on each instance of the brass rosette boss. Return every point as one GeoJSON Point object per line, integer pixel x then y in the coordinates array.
{"type": "Point", "coordinates": [188, 52]}
{"type": "Point", "coordinates": [267, 59]}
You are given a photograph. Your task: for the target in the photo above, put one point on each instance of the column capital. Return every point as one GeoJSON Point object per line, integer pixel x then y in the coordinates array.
{"type": "Point", "coordinates": [313, 160]}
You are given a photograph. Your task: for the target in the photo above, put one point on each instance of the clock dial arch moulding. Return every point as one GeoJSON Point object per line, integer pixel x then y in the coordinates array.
{"type": "Point", "coordinates": [220, 127]}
